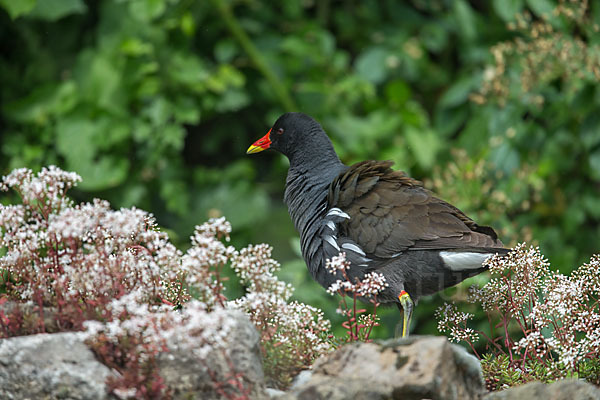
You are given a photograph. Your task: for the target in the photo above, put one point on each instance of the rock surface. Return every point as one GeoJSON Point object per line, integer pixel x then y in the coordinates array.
{"type": "Point", "coordinates": [61, 366]}
{"type": "Point", "coordinates": [50, 366]}
{"type": "Point", "coordinates": [569, 389]}
{"type": "Point", "coordinates": [191, 379]}
{"type": "Point", "coordinates": [410, 368]}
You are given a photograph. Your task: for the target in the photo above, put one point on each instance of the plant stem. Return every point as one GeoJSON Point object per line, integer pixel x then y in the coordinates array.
{"type": "Point", "coordinates": [507, 343]}
{"type": "Point", "coordinates": [255, 56]}
{"type": "Point", "coordinates": [374, 319]}
{"type": "Point", "coordinates": [492, 342]}
{"type": "Point", "coordinates": [473, 349]}
{"type": "Point", "coordinates": [355, 316]}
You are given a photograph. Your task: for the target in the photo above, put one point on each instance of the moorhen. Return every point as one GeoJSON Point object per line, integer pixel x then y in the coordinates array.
{"type": "Point", "coordinates": [382, 219]}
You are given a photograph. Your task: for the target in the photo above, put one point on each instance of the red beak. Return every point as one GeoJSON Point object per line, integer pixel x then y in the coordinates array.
{"type": "Point", "coordinates": [261, 144]}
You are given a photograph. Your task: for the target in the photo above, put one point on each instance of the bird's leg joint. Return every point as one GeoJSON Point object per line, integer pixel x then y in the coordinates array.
{"type": "Point", "coordinates": [407, 305]}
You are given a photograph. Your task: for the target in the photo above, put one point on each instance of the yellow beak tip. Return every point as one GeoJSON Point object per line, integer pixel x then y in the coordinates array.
{"type": "Point", "coordinates": [254, 149]}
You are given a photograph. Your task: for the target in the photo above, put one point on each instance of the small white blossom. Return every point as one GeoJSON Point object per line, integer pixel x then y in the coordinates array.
{"type": "Point", "coordinates": [337, 263]}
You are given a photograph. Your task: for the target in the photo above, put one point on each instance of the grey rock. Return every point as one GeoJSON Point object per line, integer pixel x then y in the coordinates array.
{"type": "Point", "coordinates": [51, 366]}
{"type": "Point", "coordinates": [190, 378]}
{"type": "Point", "coordinates": [275, 393]}
{"type": "Point", "coordinates": [568, 389]}
{"type": "Point", "coordinates": [410, 368]}
{"type": "Point", "coordinates": [302, 378]}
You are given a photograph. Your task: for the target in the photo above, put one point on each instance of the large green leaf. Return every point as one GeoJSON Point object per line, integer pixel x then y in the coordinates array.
{"type": "Point", "coordinates": [371, 64]}
{"type": "Point", "coordinates": [542, 8]}
{"type": "Point", "coordinates": [594, 162]}
{"type": "Point", "coordinates": [507, 9]}
{"type": "Point", "coordinates": [16, 8]}
{"type": "Point", "coordinates": [424, 145]}
{"type": "Point", "coordinates": [104, 173]}
{"type": "Point", "coordinates": [147, 10]}
{"type": "Point", "coordinates": [590, 130]}
{"type": "Point", "coordinates": [77, 139]}
{"type": "Point", "coordinates": [465, 18]}
{"type": "Point", "coordinates": [45, 102]}
{"type": "Point", "coordinates": [52, 10]}
{"type": "Point", "coordinates": [460, 90]}
{"type": "Point", "coordinates": [100, 80]}
{"type": "Point", "coordinates": [505, 158]}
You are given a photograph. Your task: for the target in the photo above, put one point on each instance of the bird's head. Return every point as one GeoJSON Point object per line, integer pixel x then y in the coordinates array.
{"type": "Point", "coordinates": [292, 132]}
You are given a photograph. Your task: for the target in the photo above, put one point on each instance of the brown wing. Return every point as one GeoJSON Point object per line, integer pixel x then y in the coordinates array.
{"type": "Point", "coordinates": [391, 213]}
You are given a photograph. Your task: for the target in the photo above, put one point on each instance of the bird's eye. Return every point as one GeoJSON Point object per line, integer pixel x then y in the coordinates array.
{"type": "Point", "coordinates": [280, 131]}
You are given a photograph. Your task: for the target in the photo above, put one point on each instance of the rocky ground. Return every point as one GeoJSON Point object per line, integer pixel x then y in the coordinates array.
{"type": "Point", "coordinates": [61, 366]}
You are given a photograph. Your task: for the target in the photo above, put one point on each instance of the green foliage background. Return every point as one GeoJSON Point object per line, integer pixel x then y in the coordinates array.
{"type": "Point", "coordinates": [154, 103]}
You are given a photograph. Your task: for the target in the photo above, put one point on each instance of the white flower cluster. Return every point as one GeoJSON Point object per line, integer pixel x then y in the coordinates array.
{"type": "Point", "coordinates": [119, 265]}
{"type": "Point", "coordinates": [370, 285]}
{"type": "Point", "coordinates": [454, 322]}
{"type": "Point", "coordinates": [192, 328]}
{"type": "Point", "coordinates": [534, 343]}
{"type": "Point", "coordinates": [256, 269]}
{"type": "Point", "coordinates": [358, 325]}
{"type": "Point", "coordinates": [86, 251]}
{"type": "Point", "coordinates": [292, 327]}
{"type": "Point", "coordinates": [520, 273]}
{"type": "Point", "coordinates": [207, 254]}
{"type": "Point", "coordinates": [50, 183]}
{"type": "Point", "coordinates": [569, 309]}
{"type": "Point", "coordinates": [558, 315]}
{"type": "Point", "coordinates": [337, 263]}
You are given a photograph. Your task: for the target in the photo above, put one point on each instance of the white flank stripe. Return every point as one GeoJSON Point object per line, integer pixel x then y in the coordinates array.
{"type": "Point", "coordinates": [331, 225]}
{"type": "Point", "coordinates": [463, 261]}
{"type": "Point", "coordinates": [336, 211]}
{"type": "Point", "coordinates": [354, 248]}
{"type": "Point", "coordinates": [332, 242]}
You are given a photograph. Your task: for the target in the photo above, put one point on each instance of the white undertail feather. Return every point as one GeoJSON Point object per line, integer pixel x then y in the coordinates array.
{"type": "Point", "coordinates": [460, 261]}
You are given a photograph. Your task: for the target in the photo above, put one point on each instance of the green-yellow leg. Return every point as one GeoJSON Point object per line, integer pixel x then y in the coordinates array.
{"type": "Point", "coordinates": [407, 310]}
{"type": "Point", "coordinates": [398, 330]}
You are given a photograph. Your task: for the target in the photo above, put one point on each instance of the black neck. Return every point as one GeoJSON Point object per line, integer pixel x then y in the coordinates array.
{"type": "Point", "coordinates": [306, 198]}
{"type": "Point", "coordinates": [312, 152]}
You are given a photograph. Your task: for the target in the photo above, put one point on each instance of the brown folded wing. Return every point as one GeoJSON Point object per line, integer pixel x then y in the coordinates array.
{"type": "Point", "coordinates": [391, 213]}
